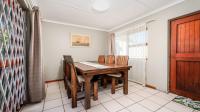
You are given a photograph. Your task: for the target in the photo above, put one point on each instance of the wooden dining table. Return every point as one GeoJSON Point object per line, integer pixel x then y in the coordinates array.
{"type": "Point", "coordinates": [88, 72]}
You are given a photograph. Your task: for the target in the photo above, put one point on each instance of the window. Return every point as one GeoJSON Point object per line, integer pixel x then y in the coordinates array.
{"type": "Point", "coordinates": [137, 45]}
{"type": "Point", "coordinates": [132, 42]}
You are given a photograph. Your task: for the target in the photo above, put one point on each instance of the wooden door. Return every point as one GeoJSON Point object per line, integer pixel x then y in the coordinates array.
{"type": "Point", "coordinates": [185, 56]}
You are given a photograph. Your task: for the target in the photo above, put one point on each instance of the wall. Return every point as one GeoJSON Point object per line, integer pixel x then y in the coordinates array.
{"type": "Point", "coordinates": [56, 43]}
{"type": "Point", "coordinates": [158, 50]}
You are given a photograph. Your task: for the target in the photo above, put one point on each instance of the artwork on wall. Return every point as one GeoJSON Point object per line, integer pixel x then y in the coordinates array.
{"type": "Point", "coordinates": [80, 40]}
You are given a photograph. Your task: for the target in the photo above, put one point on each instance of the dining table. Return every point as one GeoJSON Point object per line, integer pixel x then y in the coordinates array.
{"type": "Point", "coordinates": [90, 69]}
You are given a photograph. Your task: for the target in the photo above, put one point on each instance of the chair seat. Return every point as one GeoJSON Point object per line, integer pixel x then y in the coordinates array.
{"type": "Point", "coordinates": [115, 75]}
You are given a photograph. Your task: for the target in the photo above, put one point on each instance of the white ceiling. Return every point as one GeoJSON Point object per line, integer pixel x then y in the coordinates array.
{"type": "Point", "coordinates": [79, 12]}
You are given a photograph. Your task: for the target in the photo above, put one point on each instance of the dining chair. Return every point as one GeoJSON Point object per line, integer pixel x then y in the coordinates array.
{"type": "Point", "coordinates": [74, 83]}
{"type": "Point", "coordinates": [110, 59]}
{"type": "Point", "coordinates": [120, 60]}
{"type": "Point", "coordinates": [101, 59]}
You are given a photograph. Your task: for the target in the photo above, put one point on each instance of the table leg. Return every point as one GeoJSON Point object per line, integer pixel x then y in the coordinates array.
{"type": "Point", "coordinates": [87, 91]}
{"type": "Point", "coordinates": [125, 85]}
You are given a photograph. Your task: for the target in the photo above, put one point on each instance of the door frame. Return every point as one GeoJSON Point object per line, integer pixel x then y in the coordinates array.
{"type": "Point", "coordinates": [169, 43]}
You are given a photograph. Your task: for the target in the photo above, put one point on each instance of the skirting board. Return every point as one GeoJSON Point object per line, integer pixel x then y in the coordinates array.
{"type": "Point", "coordinates": [146, 85]}
{"type": "Point", "coordinates": [54, 80]}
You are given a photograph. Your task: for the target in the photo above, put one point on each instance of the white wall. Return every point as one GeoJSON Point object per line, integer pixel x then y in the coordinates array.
{"type": "Point", "coordinates": [56, 43]}
{"type": "Point", "coordinates": [158, 62]}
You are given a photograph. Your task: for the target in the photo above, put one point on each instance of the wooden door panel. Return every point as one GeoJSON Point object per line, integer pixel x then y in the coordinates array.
{"type": "Point", "coordinates": [188, 37]}
{"type": "Point", "coordinates": [186, 69]}
{"type": "Point", "coordinates": [185, 56]}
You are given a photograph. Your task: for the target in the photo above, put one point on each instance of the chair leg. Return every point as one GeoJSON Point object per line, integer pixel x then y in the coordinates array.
{"type": "Point", "coordinates": [74, 98]}
{"type": "Point", "coordinates": [68, 92]}
{"type": "Point", "coordinates": [95, 89]}
{"type": "Point", "coordinates": [116, 83]}
{"type": "Point", "coordinates": [104, 82]}
{"type": "Point", "coordinates": [113, 85]}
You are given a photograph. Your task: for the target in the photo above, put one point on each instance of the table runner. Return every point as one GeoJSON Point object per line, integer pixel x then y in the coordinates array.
{"type": "Point", "coordinates": [96, 65]}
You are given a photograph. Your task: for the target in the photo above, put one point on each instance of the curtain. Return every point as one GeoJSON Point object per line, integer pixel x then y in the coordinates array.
{"type": "Point", "coordinates": [111, 44]}
{"type": "Point", "coordinates": [121, 43]}
{"type": "Point", "coordinates": [36, 87]}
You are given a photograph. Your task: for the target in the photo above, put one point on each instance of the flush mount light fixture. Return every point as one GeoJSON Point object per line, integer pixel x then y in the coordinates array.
{"type": "Point", "coordinates": [100, 5]}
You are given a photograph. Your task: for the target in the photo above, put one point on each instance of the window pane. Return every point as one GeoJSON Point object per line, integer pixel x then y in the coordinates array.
{"type": "Point", "coordinates": [137, 38]}
{"type": "Point", "coordinates": [138, 52]}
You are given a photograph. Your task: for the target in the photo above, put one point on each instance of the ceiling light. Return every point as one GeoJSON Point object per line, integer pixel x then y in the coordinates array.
{"type": "Point", "coordinates": [100, 5]}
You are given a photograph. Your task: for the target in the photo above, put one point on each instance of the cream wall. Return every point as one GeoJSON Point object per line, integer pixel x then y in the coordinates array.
{"type": "Point", "coordinates": [56, 42]}
{"type": "Point", "coordinates": [158, 61]}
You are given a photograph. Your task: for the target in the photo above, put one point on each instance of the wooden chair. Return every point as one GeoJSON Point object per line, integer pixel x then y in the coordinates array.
{"type": "Point", "coordinates": [110, 59]}
{"type": "Point", "coordinates": [120, 60]}
{"type": "Point", "coordinates": [75, 83]}
{"type": "Point", "coordinates": [101, 59]}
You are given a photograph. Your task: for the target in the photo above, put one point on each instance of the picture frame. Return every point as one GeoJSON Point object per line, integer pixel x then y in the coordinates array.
{"type": "Point", "coordinates": [80, 40]}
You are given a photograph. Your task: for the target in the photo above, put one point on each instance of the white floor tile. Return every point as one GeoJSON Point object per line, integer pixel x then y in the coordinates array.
{"type": "Point", "coordinates": [37, 107]}
{"type": "Point", "coordinates": [133, 89]}
{"type": "Point", "coordinates": [165, 96]}
{"type": "Point", "coordinates": [124, 110]}
{"type": "Point", "coordinates": [143, 93]}
{"type": "Point", "coordinates": [57, 109]}
{"type": "Point", "coordinates": [125, 101]}
{"type": "Point", "coordinates": [93, 103]}
{"type": "Point", "coordinates": [52, 89]}
{"type": "Point", "coordinates": [63, 92]}
{"type": "Point", "coordinates": [104, 98]}
{"type": "Point", "coordinates": [178, 107]}
{"type": "Point", "coordinates": [140, 87]}
{"type": "Point", "coordinates": [135, 97]}
{"type": "Point", "coordinates": [52, 104]}
{"type": "Point", "coordinates": [53, 96]}
{"type": "Point", "coordinates": [52, 84]}
{"type": "Point", "coordinates": [138, 108]}
{"type": "Point", "coordinates": [68, 108]}
{"type": "Point", "coordinates": [139, 99]}
{"type": "Point", "coordinates": [158, 100]}
{"type": "Point", "coordinates": [151, 91]}
{"type": "Point", "coordinates": [97, 108]}
{"type": "Point", "coordinates": [65, 100]}
{"type": "Point", "coordinates": [150, 105]}
{"type": "Point", "coordinates": [164, 110]}
{"type": "Point", "coordinates": [56, 91]}
{"type": "Point", "coordinates": [116, 95]}
{"type": "Point", "coordinates": [131, 83]}
{"type": "Point", "coordinates": [112, 106]}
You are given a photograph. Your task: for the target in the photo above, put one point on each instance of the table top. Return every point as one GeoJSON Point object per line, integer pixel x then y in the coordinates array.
{"type": "Point", "coordinates": [91, 69]}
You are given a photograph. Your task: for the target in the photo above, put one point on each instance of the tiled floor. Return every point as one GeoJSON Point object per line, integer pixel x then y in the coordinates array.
{"type": "Point", "coordinates": [139, 99]}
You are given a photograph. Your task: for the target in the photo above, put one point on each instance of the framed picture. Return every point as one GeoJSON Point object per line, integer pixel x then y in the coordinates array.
{"type": "Point", "coordinates": [80, 40]}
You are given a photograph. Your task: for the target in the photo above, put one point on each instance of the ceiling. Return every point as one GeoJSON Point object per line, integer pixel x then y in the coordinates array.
{"type": "Point", "coordinates": [79, 12]}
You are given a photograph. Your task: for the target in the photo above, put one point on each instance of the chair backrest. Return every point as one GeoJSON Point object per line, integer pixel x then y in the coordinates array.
{"type": "Point", "coordinates": [101, 59]}
{"type": "Point", "coordinates": [69, 68]}
{"type": "Point", "coordinates": [122, 60]}
{"type": "Point", "coordinates": [110, 59]}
